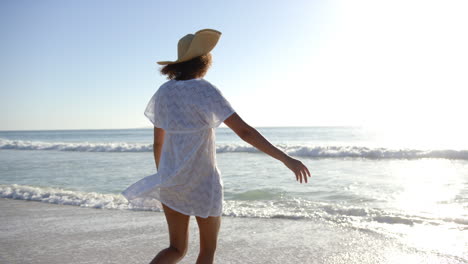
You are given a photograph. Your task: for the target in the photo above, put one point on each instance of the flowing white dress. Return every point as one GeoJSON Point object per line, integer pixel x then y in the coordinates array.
{"type": "Point", "coordinates": [188, 179]}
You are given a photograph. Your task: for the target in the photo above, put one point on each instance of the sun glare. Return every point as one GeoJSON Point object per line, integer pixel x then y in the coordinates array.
{"type": "Point", "coordinates": [428, 186]}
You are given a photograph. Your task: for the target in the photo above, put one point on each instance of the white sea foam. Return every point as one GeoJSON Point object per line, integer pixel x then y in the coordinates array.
{"type": "Point", "coordinates": [289, 208]}
{"type": "Point", "coordinates": [294, 150]}
{"type": "Point", "coordinates": [62, 196]}
{"type": "Point", "coordinates": [303, 209]}
{"type": "Point", "coordinates": [74, 146]}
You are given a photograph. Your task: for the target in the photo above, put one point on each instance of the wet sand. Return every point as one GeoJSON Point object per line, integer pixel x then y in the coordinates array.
{"type": "Point", "coordinates": [36, 232]}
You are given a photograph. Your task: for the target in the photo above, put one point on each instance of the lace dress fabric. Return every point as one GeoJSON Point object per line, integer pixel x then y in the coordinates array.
{"type": "Point", "coordinates": [188, 179]}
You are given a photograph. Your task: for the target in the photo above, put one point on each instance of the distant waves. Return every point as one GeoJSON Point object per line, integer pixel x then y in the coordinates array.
{"type": "Point", "coordinates": [353, 152]}
{"type": "Point", "coordinates": [75, 146]}
{"type": "Point", "coordinates": [293, 150]}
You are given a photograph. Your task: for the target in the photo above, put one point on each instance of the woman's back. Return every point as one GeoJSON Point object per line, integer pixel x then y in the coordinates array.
{"type": "Point", "coordinates": [191, 105]}
{"type": "Point", "coordinates": [188, 179]}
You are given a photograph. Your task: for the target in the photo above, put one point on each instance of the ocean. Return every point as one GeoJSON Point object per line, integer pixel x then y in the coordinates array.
{"type": "Point", "coordinates": [410, 189]}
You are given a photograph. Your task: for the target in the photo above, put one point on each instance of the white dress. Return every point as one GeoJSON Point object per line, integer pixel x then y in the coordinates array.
{"type": "Point", "coordinates": [188, 179]}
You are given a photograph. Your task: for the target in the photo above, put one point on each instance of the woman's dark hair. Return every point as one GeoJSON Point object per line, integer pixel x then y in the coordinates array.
{"type": "Point", "coordinates": [194, 68]}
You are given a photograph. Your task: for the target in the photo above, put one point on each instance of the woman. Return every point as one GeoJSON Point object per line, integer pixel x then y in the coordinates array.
{"type": "Point", "coordinates": [185, 112]}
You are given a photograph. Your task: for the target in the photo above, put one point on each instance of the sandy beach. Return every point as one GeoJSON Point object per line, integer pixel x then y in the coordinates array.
{"type": "Point", "coordinates": [36, 232]}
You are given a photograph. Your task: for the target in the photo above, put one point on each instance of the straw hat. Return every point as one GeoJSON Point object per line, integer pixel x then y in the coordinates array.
{"type": "Point", "coordinates": [191, 46]}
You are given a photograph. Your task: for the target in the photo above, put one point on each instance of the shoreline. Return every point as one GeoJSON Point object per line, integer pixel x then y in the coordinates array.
{"type": "Point", "coordinates": [37, 232]}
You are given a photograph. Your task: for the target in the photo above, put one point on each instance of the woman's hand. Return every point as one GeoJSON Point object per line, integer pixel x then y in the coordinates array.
{"type": "Point", "coordinates": [299, 169]}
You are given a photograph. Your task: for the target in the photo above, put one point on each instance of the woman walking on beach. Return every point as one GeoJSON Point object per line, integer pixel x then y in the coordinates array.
{"type": "Point", "coordinates": [185, 112]}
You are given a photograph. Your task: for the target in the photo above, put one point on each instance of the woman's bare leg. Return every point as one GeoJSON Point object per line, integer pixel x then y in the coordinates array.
{"type": "Point", "coordinates": [209, 229]}
{"type": "Point", "coordinates": [178, 233]}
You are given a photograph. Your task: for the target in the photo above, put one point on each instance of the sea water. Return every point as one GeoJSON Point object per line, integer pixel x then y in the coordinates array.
{"type": "Point", "coordinates": [413, 190]}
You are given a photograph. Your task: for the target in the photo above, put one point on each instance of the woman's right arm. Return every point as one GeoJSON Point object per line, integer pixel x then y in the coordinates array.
{"type": "Point", "coordinates": [254, 138]}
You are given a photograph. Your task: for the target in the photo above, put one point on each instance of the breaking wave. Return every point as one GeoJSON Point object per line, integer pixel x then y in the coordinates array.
{"type": "Point", "coordinates": [294, 150]}
{"type": "Point", "coordinates": [284, 208]}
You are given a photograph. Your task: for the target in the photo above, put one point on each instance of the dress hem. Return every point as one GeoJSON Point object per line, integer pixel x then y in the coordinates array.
{"type": "Point", "coordinates": [184, 213]}
{"type": "Point", "coordinates": [170, 206]}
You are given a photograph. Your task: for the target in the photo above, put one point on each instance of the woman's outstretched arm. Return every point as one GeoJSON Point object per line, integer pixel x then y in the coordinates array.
{"type": "Point", "coordinates": [254, 138]}
{"type": "Point", "coordinates": [157, 145]}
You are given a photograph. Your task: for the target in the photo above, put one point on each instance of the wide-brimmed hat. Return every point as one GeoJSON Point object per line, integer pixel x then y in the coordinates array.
{"type": "Point", "coordinates": [191, 46]}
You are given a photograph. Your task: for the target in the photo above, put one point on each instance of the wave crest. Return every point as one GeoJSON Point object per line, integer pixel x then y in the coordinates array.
{"type": "Point", "coordinates": [72, 146]}
{"type": "Point", "coordinates": [293, 150]}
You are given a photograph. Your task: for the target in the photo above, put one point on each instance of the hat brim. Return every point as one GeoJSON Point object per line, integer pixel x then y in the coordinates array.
{"type": "Point", "coordinates": [203, 42]}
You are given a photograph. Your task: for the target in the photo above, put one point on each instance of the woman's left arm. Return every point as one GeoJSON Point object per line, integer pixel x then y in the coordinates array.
{"type": "Point", "coordinates": [158, 143]}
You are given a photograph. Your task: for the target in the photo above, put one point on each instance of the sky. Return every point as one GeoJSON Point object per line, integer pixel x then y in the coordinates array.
{"type": "Point", "coordinates": [92, 64]}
